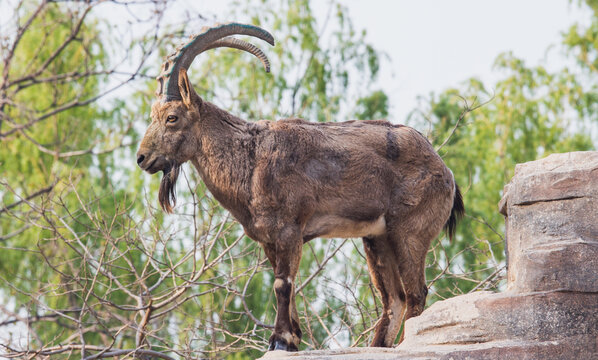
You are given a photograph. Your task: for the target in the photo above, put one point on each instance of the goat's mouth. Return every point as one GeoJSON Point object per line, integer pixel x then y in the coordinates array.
{"type": "Point", "coordinates": [158, 164]}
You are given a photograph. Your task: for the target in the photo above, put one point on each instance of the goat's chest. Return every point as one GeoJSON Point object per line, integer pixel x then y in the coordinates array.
{"type": "Point", "coordinates": [260, 230]}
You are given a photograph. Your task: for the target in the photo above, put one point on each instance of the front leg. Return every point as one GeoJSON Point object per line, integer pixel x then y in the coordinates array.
{"type": "Point", "coordinates": [288, 245]}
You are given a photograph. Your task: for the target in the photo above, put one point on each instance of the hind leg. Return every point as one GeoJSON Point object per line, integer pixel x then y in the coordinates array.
{"type": "Point", "coordinates": [412, 247]}
{"type": "Point", "coordinates": [412, 269]}
{"type": "Point", "coordinates": [384, 274]}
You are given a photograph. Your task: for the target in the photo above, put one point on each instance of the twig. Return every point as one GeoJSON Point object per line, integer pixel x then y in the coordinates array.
{"type": "Point", "coordinates": [466, 110]}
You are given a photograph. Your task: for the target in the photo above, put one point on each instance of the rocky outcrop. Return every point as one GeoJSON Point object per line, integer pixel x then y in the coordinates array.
{"type": "Point", "coordinates": [550, 307]}
{"type": "Point", "coordinates": [551, 210]}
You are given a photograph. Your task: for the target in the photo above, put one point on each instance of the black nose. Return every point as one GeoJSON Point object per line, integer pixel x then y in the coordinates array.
{"type": "Point", "coordinates": [140, 159]}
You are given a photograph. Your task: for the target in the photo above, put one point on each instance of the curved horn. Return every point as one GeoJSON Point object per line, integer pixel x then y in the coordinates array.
{"type": "Point", "coordinates": [234, 43]}
{"type": "Point", "coordinates": [184, 55]}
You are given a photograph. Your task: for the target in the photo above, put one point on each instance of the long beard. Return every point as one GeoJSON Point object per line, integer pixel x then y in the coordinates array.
{"type": "Point", "coordinates": [167, 193]}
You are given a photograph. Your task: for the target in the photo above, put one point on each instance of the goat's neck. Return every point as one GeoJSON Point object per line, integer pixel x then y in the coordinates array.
{"type": "Point", "coordinates": [224, 160]}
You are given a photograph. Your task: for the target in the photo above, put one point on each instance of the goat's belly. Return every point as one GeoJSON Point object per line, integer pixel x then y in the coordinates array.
{"type": "Point", "coordinates": [331, 226]}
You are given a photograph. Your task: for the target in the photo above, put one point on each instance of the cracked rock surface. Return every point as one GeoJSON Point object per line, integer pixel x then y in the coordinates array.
{"type": "Point", "coordinates": [552, 224]}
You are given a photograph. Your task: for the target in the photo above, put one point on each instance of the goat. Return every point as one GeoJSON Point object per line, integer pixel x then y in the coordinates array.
{"type": "Point", "coordinates": [289, 181]}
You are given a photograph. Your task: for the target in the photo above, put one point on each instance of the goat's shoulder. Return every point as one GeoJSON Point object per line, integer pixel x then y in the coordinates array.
{"type": "Point", "coordinates": [257, 127]}
{"type": "Point", "coordinates": [289, 124]}
{"type": "Point", "coordinates": [365, 123]}
{"type": "Point", "coordinates": [297, 122]}
{"type": "Point", "coordinates": [278, 126]}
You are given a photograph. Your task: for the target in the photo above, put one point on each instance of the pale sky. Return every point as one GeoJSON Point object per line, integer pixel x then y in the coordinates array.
{"type": "Point", "coordinates": [437, 44]}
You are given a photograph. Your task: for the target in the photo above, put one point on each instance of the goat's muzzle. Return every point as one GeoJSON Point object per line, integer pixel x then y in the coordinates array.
{"type": "Point", "coordinates": [154, 164]}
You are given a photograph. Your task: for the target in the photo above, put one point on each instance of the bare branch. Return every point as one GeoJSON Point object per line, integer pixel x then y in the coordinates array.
{"type": "Point", "coordinates": [467, 108]}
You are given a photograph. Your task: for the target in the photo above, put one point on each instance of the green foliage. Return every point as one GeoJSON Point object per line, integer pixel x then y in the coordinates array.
{"type": "Point", "coordinates": [374, 106]}
{"type": "Point", "coordinates": [48, 136]}
{"type": "Point", "coordinates": [530, 114]}
{"type": "Point", "coordinates": [26, 166]}
{"type": "Point", "coordinates": [323, 69]}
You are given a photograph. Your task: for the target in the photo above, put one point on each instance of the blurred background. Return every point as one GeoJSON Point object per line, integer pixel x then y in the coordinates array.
{"type": "Point", "coordinates": [91, 268]}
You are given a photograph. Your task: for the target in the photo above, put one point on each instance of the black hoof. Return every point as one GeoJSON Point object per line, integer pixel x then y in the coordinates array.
{"type": "Point", "coordinates": [281, 345]}
{"type": "Point", "coordinates": [278, 345]}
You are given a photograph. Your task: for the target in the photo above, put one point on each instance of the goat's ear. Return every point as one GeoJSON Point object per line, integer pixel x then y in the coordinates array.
{"type": "Point", "coordinates": [188, 94]}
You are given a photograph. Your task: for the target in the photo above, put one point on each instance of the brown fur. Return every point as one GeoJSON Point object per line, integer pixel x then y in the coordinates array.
{"type": "Point", "coordinates": [290, 181]}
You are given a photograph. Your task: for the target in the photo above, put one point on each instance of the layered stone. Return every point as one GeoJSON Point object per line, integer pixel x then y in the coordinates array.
{"type": "Point", "coordinates": [551, 207]}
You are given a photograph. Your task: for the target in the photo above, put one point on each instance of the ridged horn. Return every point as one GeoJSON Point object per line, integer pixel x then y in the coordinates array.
{"type": "Point", "coordinates": [234, 43]}
{"type": "Point", "coordinates": [208, 38]}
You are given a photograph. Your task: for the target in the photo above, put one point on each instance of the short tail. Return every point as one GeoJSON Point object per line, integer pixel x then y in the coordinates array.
{"type": "Point", "coordinates": [456, 214]}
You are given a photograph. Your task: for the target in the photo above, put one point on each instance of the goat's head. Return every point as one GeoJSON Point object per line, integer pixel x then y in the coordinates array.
{"type": "Point", "coordinates": [173, 137]}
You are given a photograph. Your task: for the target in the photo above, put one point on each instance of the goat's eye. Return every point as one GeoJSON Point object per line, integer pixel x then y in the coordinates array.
{"type": "Point", "coordinates": [171, 119]}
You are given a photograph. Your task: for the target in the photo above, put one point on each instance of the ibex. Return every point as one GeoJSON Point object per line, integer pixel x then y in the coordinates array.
{"type": "Point", "coordinates": [290, 181]}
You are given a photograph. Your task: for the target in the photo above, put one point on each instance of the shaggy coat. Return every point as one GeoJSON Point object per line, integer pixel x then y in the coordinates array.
{"type": "Point", "coordinates": [290, 181]}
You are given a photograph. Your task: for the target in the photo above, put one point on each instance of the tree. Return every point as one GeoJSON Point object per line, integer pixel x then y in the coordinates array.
{"type": "Point", "coordinates": [61, 209]}
{"type": "Point", "coordinates": [529, 114]}
{"type": "Point", "coordinates": [89, 268]}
